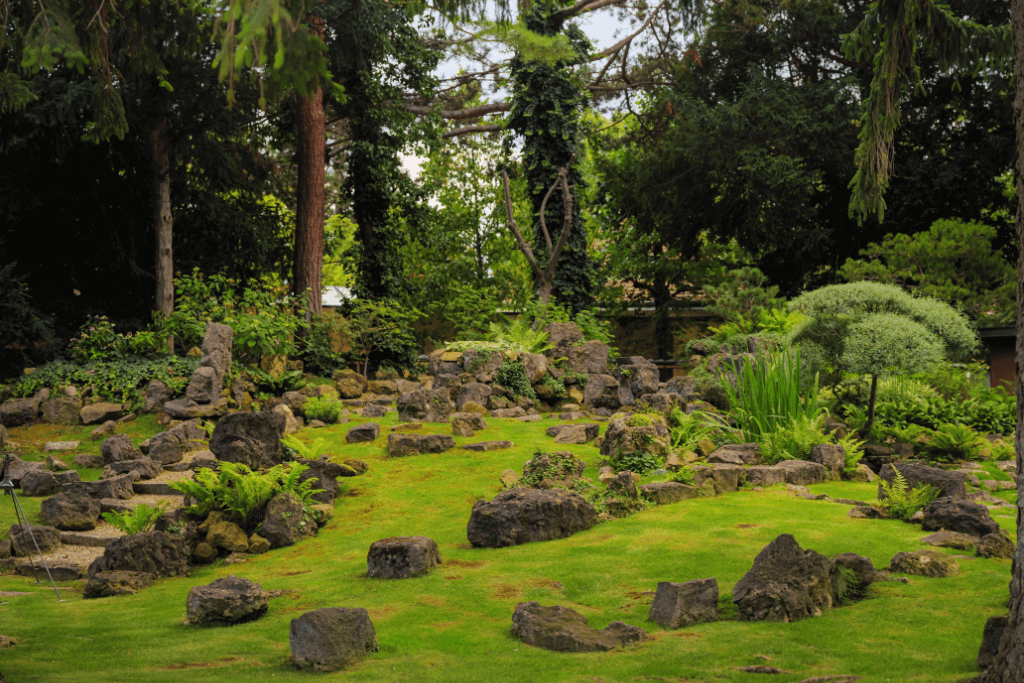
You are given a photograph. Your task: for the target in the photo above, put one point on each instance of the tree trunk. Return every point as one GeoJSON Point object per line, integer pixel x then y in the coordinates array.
{"type": "Point", "coordinates": [163, 223]}
{"type": "Point", "coordinates": [871, 406]}
{"type": "Point", "coordinates": [662, 297]}
{"type": "Point", "coordinates": [1009, 664]}
{"type": "Point", "coordinates": [309, 201]}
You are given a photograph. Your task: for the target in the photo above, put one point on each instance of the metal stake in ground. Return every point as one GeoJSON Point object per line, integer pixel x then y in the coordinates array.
{"type": "Point", "coordinates": [8, 488]}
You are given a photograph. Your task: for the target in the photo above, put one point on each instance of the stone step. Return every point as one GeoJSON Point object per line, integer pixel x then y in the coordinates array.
{"type": "Point", "coordinates": [155, 488]}
{"type": "Point", "coordinates": [75, 538]}
{"type": "Point", "coordinates": [60, 571]}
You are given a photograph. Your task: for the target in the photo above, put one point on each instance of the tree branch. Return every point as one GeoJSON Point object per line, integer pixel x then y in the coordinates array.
{"type": "Point", "coordinates": [472, 130]}
{"type": "Point", "coordinates": [459, 114]}
{"type": "Point", "coordinates": [584, 6]}
{"type": "Point", "coordinates": [566, 225]}
{"type": "Point", "coordinates": [523, 245]}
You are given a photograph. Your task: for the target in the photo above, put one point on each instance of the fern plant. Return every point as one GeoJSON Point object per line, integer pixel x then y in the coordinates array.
{"type": "Point", "coordinates": [901, 501]}
{"type": "Point", "coordinates": [852, 447]}
{"type": "Point", "coordinates": [233, 487]}
{"type": "Point", "coordinates": [518, 332]}
{"type": "Point", "coordinates": [793, 441]}
{"type": "Point", "coordinates": [139, 519]}
{"type": "Point", "coordinates": [687, 430]}
{"type": "Point", "coordinates": [955, 442]}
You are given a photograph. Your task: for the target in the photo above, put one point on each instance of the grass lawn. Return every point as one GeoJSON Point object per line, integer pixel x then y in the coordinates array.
{"type": "Point", "coordinates": [453, 625]}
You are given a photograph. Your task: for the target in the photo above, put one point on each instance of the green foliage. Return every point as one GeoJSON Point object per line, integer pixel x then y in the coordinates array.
{"type": "Point", "coordinates": [289, 380]}
{"type": "Point", "coordinates": [639, 462]}
{"type": "Point", "coordinates": [512, 375]}
{"type": "Point", "coordinates": [902, 502]}
{"type": "Point", "coordinates": [961, 381]}
{"type": "Point", "coordinates": [1001, 451]}
{"type": "Point", "coordinates": [119, 381]}
{"type": "Point", "coordinates": [547, 100]}
{"type": "Point", "coordinates": [380, 333]}
{"type": "Point", "coordinates": [263, 320]}
{"type": "Point", "coordinates": [317, 348]}
{"type": "Point", "coordinates": [852, 447]}
{"type": "Point", "coordinates": [519, 334]}
{"type": "Point", "coordinates": [639, 420]}
{"type": "Point", "coordinates": [687, 430]}
{"type": "Point", "coordinates": [233, 487]}
{"type": "Point", "coordinates": [953, 261]}
{"type": "Point", "coordinates": [848, 584]}
{"type": "Point", "coordinates": [139, 519]}
{"type": "Point", "coordinates": [741, 299]}
{"type": "Point", "coordinates": [327, 409]}
{"type": "Point", "coordinates": [769, 394]}
{"type": "Point", "coordinates": [684, 476]}
{"type": "Point", "coordinates": [903, 388]}
{"type": "Point", "coordinates": [556, 385]}
{"type": "Point", "coordinates": [562, 463]}
{"type": "Point", "coordinates": [954, 442]}
{"type": "Point", "coordinates": [792, 441]}
{"type": "Point", "coordinates": [22, 326]}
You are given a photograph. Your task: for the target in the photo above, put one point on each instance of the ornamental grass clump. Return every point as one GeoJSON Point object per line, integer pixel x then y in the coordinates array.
{"type": "Point", "coordinates": [767, 395]}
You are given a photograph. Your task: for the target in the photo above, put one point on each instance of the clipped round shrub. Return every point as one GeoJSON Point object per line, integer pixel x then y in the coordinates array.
{"type": "Point", "coordinates": [327, 409]}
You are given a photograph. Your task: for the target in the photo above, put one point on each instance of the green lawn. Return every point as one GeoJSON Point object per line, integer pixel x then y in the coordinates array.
{"type": "Point", "coordinates": [453, 625]}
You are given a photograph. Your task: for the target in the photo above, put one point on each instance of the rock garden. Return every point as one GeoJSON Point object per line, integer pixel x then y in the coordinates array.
{"type": "Point", "coordinates": [498, 516]}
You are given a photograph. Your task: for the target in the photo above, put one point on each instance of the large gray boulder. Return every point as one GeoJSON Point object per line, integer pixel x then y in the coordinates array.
{"type": "Point", "coordinates": [990, 639]}
{"type": "Point", "coordinates": [400, 445]}
{"type": "Point", "coordinates": [536, 366]}
{"type": "Point", "coordinates": [521, 516]}
{"type": "Point", "coordinates": [968, 518]}
{"type": "Point", "coordinates": [482, 364]}
{"type": "Point", "coordinates": [19, 468]}
{"type": "Point", "coordinates": [119, 487]}
{"type": "Point", "coordinates": [602, 391]}
{"type": "Point", "coordinates": [98, 413]}
{"type": "Point", "coordinates": [33, 539]}
{"type": "Point", "coordinates": [253, 439]}
{"type": "Point", "coordinates": [625, 438]}
{"type": "Point", "coordinates": [473, 391]}
{"type": "Point", "coordinates": [590, 358]}
{"type": "Point", "coordinates": [143, 468]}
{"type": "Point", "coordinates": [950, 483]}
{"type": "Point", "coordinates": [61, 410]}
{"type": "Point", "coordinates": [564, 630]}
{"type": "Point", "coordinates": [637, 376]}
{"type": "Point", "coordinates": [38, 483]}
{"type": "Point", "coordinates": [286, 521]}
{"type": "Point", "coordinates": [118, 448]}
{"type": "Point", "coordinates": [668, 492]}
{"type": "Point", "coordinates": [683, 604]}
{"type": "Point", "coordinates": [156, 395]}
{"type": "Point", "coordinates": [112, 584]}
{"type": "Point", "coordinates": [229, 600]}
{"type": "Point", "coordinates": [932, 563]}
{"type": "Point", "coordinates": [426, 405]}
{"type": "Point", "coordinates": [156, 552]}
{"type": "Point", "coordinates": [832, 456]}
{"type": "Point", "coordinates": [331, 638]}
{"type": "Point", "coordinates": [803, 472]}
{"type": "Point", "coordinates": [368, 431]}
{"type": "Point", "coordinates": [324, 474]}
{"type": "Point", "coordinates": [15, 412]}
{"type": "Point", "coordinates": [786, 583]}
{"type": "Point", "coordinates": [208, 379]}
{"type": "Point", "coordinates": [70, 511]}
{"type": "Point", "coordinates": [562, 337]}
{"type": "Point", "coordinates": [402, 557]}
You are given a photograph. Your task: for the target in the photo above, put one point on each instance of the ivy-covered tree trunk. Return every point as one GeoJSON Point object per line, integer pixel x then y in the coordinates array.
{"type": "Point", "coordinates": [546, 110]}
{"type": "Point", "coordinates": [163, 222]}
{"type": "Point", "coordinates": [1009, 664]}
{"type": "Point", "coordinates": [373, 164]}
{"type": "Point", "coordinates": [661, 295]}
{"type": "Point", "coordinates": [309, 201]}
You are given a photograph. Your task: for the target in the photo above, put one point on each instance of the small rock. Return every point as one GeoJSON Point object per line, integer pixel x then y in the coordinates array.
{"type": "Point", "coordinates": [230, 600]}
{"type": "Point", "coordinates": [996, 545]}
{"type": "Point", "coordinates": [865, 512]}
{"type": "Point", "coordinates": [508, 478]}
{"type": "Point", "coordinates": [951, 539]}
{"type": "Point", "coordinates": [682, 604]}
{"type": "Point", "coordinates": [924, 563]}
{"type": "Point", "coordinates": [668, 492]}
{"type": "Point", "coordinates": [363, 433]}
{"type": "Point", "coordinates": [258, 545]}
{"type": "Point", "coordinates": [564, 630]}
{"type": "Point", "coordinates": [331, 638]}
{"type": "Point", "coordinates": [89, 461]}
{"type": "Point", "coordinates": [402, 557]}
{"type": "Point", "coordinates": [60, 446]}
{"type": "Point", "coordinates": [56, 465]}
{"type": "Point", "coordinates": [104, 430]}
{"type": "Point", "coordinates": [37, 483]}
{"type": "Point", "coordinates": [110, 584]}
{"type": "Point", "coordinates": [488, 446]}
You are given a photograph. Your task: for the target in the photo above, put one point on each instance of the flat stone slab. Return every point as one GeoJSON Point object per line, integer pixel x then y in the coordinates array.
{"type": "Point", "coordinates": [488, 446]}
{"type": "Point", "coordinates": [61, 445]}
{"type": "Point", "coordinates": [180, 409]}
{"type": "Point", "coordinates": [75, 538]}
{"type": "Point", "coordinates": [60, 571]}
{"type": "Point", "coordinates": [154, 488]}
